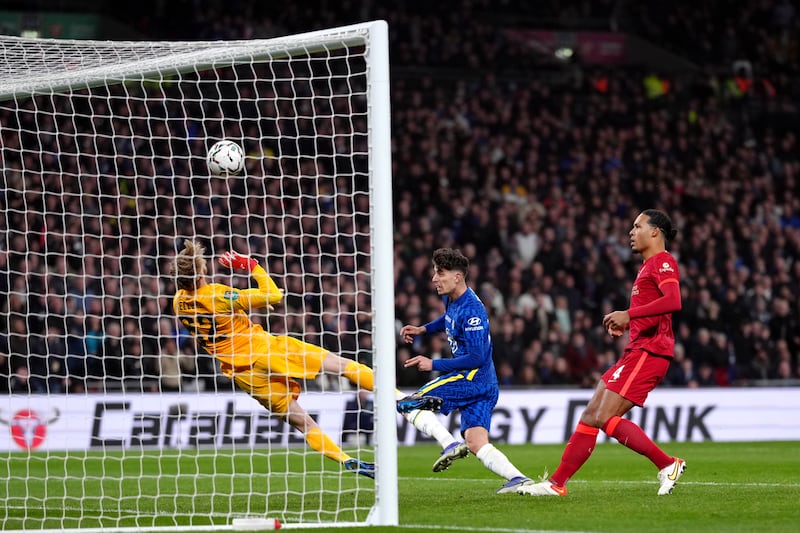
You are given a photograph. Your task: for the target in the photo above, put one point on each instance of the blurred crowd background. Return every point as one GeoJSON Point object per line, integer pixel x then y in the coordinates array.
{"type": "Point", "coordinates": [533, 162]}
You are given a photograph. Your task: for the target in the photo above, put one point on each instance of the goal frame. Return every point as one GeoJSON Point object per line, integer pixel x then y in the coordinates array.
{"type": "Point", "coordinates": [384, 511]}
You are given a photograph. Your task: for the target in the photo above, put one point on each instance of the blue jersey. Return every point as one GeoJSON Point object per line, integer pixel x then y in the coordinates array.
{"type": "Point", "coordinates": [467, 326]}
{"type": "Point", "coordinates": [469, 381]}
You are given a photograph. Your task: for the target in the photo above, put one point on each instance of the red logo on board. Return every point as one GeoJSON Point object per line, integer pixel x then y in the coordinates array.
{"type": "Point", "coordinates": [29, 427]}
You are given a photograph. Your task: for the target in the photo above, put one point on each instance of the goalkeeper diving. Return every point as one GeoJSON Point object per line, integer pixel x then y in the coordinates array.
{"type": "Point", "coordinates": [265, 366]}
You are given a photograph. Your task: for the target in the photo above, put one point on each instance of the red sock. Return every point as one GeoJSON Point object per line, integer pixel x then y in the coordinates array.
{"type": "Point", "coordinates": [632, 436]}
{"type": "Point", "coordinates": [578, 449]}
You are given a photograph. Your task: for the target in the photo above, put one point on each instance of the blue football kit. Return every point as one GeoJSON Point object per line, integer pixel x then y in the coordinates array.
{"type": "Point", "coordinates": [468, 382]}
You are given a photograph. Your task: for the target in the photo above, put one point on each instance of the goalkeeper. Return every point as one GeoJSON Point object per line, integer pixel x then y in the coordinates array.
{"type": "Point", "coordinates": [265, 366]}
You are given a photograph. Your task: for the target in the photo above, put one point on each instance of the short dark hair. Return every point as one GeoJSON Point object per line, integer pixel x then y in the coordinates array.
{"type": "Point", "coordinates": [451, 259]}
{"type": "Point", "coordinates": [660, 220]}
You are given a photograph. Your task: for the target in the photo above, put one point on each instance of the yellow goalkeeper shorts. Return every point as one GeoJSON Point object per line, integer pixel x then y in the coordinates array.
{"type": "Point", "coordinates": [270, 376]}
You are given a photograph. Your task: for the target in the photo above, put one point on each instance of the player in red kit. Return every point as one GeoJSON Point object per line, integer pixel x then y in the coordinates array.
{"type": "Point", "coordinates": [654, 297]}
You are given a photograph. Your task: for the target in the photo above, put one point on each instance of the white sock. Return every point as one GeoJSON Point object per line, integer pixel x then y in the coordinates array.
{"type": "Point", "coordinates": [426, 422]}
{"type": "Point", "coordinates": [497, 462]}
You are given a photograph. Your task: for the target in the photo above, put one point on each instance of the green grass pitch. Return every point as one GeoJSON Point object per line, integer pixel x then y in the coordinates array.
{"type": "Point", "coordinates": [727, 487]}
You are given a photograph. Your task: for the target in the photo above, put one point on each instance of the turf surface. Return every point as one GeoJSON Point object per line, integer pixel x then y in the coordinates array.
{"type": "Point", "coordinates": [752, 486]}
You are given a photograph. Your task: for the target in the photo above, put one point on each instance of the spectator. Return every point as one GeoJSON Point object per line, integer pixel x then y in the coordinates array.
{"type": "Point", "coordinates": [21, 383]}
{"type": "Point", "coordinates": [582, 360]}
{"type": "Point", "coordinates": [112, 355]}
{"type": "Point", "coordinates": [5, 371]}
{"type": "Point", "coordinates": [358, 424]}
{"type": "Point", "coordinates": [56, 351]}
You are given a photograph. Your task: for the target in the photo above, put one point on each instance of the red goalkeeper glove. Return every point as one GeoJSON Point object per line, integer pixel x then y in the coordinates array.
{"type": "Point", "coordinates": [238, 261]}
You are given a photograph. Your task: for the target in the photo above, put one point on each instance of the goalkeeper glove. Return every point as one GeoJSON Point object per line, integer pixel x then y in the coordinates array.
{"type": "Point", "coordinates": [238, 261]}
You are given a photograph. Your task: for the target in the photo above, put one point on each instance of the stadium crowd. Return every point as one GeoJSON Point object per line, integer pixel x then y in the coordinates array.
{"type": "Point", "coordinates": [535, 178]}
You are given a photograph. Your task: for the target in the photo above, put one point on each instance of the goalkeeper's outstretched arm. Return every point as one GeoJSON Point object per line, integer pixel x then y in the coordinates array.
{"type": "Point", "coordinates": [267, 292]}
{"type": "Point", "coordinates": [266, 295]}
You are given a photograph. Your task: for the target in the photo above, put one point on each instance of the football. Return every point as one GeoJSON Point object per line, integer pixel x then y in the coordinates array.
{"type": "Point", "coordinates": [225, 158]}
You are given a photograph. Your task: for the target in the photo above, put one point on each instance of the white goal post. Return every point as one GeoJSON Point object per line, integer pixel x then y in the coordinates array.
{"type": "Point", "coordinates": [111, 417]}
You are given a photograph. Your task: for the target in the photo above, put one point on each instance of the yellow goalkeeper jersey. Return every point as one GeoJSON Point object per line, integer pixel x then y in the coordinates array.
{"type": "Point", "coordinates": [217, 316]}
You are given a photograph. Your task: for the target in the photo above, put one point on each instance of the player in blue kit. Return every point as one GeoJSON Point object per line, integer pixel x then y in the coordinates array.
{"type": "Point", "coordinates": [468, 382]}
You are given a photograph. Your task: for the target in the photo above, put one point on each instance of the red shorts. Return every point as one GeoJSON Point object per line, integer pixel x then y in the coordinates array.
{"type": "Point", "coordinates": [636, 374]}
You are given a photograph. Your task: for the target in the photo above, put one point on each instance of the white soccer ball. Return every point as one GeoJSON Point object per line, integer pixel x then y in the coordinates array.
{"type": "Point", "coordinates": [225, 158]}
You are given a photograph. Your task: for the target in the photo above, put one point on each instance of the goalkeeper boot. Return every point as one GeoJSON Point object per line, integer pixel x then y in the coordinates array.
{"type": "Point", "coordinates": [415, 401]}
{"type": "Point", "coordinates": [457, 450]}
{"type": "Point", "coordinates": [360, 467]}
{"type": "Point", "coordinates": [513, 484]}
{"type": "Point", "coordinates": [668, 477]}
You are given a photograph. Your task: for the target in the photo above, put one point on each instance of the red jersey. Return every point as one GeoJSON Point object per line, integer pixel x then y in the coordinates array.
{"type": "Point", "coordinates": [653, 333]}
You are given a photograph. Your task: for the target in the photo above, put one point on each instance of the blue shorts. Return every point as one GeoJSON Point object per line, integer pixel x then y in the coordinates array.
{"type": "Point", "coordinates": [474, 400]}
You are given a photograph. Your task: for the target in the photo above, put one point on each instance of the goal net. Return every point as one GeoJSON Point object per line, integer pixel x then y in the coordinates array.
{"type": "Point", "coordinates": [111, 416]}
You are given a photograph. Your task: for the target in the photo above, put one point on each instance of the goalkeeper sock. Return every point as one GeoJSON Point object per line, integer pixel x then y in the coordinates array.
{"type": "Point", "coordinates": [322, 443]}
{"type": "Point", "coordinates": [426, 422]}
{"type": "Point", "coordinates": [360, 375]}
{"type": "Point", "coordinates": [497, 462]}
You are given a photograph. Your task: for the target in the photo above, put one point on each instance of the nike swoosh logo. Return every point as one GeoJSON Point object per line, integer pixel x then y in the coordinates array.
{"type": "Point", "coordinates": [674, 474]}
